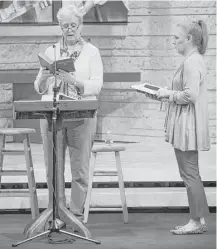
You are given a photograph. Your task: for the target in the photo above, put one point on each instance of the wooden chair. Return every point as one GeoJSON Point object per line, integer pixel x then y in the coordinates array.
{"type": "Point", "coordinates": [106, 148]}
{"type": "Point", "coordinates": [29, 172]}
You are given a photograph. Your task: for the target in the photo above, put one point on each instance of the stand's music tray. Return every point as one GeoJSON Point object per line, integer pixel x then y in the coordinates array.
{"type": "Point", "coordinates": [67, 109]}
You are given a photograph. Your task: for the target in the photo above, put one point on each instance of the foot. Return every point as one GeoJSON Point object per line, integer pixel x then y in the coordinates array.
{"type": "Point", "coordinates": [192, 225]}
{"type": "Point", "coordinates": [187, 231]}
{"type": "Point", "coordinates": [195, 223]}
{"type": "Point", "coordinates": [204, 226]}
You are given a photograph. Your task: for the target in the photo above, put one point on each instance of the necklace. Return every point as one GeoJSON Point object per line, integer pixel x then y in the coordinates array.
{"type": "Point", "coordinates": [75, 49]}
{"type": "Point", "coordinates": [73, 52]}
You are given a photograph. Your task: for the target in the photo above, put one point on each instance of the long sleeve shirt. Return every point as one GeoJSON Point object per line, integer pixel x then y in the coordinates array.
{"type": "Point", "coordinates": [88, 69]}
{"type": "Point", "coordinates": [187, 120]}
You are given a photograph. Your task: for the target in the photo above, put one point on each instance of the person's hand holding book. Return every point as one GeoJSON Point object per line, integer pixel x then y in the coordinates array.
{"type": "Point", "coordinates": [151, 96]}
{"type": "Point", "coordinates": [45, 73]}
{"type": "Point", "coordinates": [66, 77]}
{"type": "Point", "coordinates": [70, 79]}
{"type": "Point", "coordinates": [42, 77]}
{"type": "Point", "coordinates": [163, 93]}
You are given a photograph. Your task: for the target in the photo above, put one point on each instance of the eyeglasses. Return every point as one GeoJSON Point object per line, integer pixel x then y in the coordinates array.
{"type": "Point", "coordinates": [69, 26]}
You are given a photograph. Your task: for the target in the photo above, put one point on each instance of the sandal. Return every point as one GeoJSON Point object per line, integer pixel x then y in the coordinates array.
{"type": "Point", "coordinates": [187, 232]}
{"type": "Point", "coordinates": [204, 226]}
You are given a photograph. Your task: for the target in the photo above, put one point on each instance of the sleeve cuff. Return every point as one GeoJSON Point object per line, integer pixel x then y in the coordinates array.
{"type": "Point", "coordinates": [172, 97]}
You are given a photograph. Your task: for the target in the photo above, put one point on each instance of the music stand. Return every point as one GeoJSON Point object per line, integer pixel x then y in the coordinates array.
{"type": "Point", "coordinates": [54, 226]}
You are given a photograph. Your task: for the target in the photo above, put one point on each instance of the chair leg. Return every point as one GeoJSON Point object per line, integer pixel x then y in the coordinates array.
{"type": "Point", "coordinates": [2, 146]}
{"type": "Point", "coordinates": [121, 186]}
{"type": "Point", "coordinates": [89, 190]}
{"type": "Point", "coordinates": [31, 178]}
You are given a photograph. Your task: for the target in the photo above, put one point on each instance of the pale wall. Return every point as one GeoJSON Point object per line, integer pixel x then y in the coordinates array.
{"type": "Point", "coordinates": [146, 48]}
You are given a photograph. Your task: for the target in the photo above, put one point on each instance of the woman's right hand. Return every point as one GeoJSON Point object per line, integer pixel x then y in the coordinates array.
{"type": "Point", "coordinates": [151, 96]}
{"type": "Point", "coordinates": [45, 73]}
{"type": "Point", "coordinates": [41, 79]}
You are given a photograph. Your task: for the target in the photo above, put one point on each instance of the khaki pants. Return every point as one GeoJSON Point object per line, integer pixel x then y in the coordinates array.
{"type": "Point", "coordinates": [189, 172]}
{"type": "Point", "coordinates": [78, 136]}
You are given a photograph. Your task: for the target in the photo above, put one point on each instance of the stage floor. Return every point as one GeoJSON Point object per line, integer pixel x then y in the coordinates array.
{"type": "Point", "coordinates": [144, 231]}
{"type": "Point", "coordinates": [150, 173]}
{"type": "Point", "coordinates": [153, 161]}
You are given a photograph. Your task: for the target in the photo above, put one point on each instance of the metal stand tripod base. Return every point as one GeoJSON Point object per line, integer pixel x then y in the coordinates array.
{"type": "Point", "coordinates": [38, 225]}
{"type": "Point", "coordinates": [56, 229]}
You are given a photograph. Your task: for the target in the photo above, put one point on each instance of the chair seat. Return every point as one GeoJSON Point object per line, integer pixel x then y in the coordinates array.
{"type": "Point", "coordinates": [15, 131]}
{"type": "Point", "coordinates": [107, 148]}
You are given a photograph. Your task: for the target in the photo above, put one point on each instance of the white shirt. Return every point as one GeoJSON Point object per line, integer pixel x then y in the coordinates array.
{"type": "Point", "coordinates": [88, 69]}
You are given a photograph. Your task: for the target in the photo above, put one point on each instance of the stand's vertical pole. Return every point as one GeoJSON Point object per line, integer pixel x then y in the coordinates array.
{"type": "Point", "coordinates": [54, 164]}
{"type": "Point", "coordinates": [54, 132]}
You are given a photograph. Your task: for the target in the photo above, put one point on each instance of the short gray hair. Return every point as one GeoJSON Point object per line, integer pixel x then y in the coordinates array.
{"type": "Point", "coordinates": [73, 10]}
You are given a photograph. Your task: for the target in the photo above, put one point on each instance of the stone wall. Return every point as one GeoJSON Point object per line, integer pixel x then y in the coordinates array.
{"type": "Point", "coordinates": [147, 48]}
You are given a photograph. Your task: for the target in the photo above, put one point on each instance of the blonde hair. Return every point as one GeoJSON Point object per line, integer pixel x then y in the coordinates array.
{"type": "Point", "coordinates": [199, 33]}
{"type": "Point", "coordinates": [70, 9]}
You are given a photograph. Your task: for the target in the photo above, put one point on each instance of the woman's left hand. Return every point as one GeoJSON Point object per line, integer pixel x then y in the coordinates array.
{"type": "Point", "coordinates": [66, 77]}
{"type": "Point", "coordinates": [71, 79]}
{"type": "Point", "coordinates": [163, 93]}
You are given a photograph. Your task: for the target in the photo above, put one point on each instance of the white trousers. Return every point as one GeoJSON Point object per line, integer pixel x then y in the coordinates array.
{"type": "Point", "coordinates": [78, 136]}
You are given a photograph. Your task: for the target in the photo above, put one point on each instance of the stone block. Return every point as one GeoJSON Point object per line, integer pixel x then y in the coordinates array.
{"type": "Point", "coordinates": [6, 123]}
{"type": "Point", "coordinates": [5, 105]}
{"type": "Point", "coordinates": [46, 40]}
{"type": "Point", "coordinates": [134, 108]}
{"type": "Point", "coordinates": [146, 52]}
{"type": "Point", "coordinates": [17, 53]}
{"type": "Point", "coordinates": [20, 65]}
{"type": "Point", "coordinates": [125, 126]}
{"type": "Point", "coordinates": [180, 11]}
{"type": "Point", "coordinates": [152, 43]}
{"type": "Point", "coordinates": [6, 95]}
{"type": "Point", "coordinates": [132, 64]}
{"type": "Point", "coordinates": [165, 25]}
{"type": "Point", "coordinates": [171, 4]}
{"type": "Point", "coordinates": [130, 109]}
{"type": "Point", "coordinates": [127, 95]}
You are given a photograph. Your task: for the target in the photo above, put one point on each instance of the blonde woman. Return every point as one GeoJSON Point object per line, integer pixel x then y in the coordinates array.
{"type": "Point", "coordinates": [186, 123]}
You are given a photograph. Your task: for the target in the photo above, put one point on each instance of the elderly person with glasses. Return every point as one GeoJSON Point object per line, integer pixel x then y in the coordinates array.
{"type": "Point", "coordinates": [86, 83]}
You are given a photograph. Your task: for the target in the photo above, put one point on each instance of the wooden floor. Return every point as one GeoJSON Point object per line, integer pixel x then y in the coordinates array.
{"type": "Point", "coordinates": [144, 231]}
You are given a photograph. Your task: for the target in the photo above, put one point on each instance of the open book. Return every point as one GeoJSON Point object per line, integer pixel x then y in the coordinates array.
{"type": "Point", "coordinates": [150, 89]}
{"type": "Point", "coordinates": [66, 64]}
{"type": "Point", "coordinates": [146, 88]}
